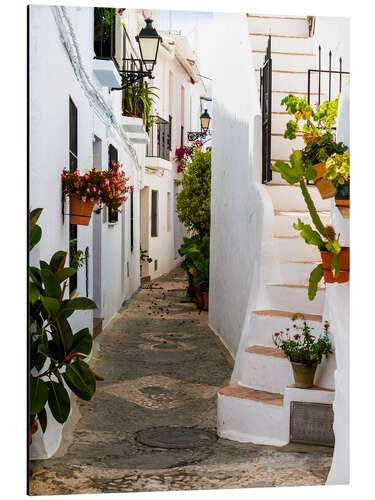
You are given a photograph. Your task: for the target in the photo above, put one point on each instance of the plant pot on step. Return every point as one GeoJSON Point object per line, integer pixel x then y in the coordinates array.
{"type": "Point", "coordinates": [326, 189]}
{"type": "Point", "coordinates": [199, 299]}
{"type": "Point", "coordinates": [80, 211]}
{"type": "Point", "coordinates": [304, 374]}
{"type": "Point", "coordinates": [344, 257]}
{"type": "Point", "coordinates": [205, 300]}
{"type": "Point", "coordinates": [32, 430]}
{"type": "Point", "coordinates": [342, 200]}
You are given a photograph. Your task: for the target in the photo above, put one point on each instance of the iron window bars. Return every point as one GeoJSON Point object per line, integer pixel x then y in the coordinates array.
{"type": "Point", "coordinates": [160, 147]}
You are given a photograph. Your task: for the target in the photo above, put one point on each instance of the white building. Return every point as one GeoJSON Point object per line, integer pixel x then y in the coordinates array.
{"type": "Point", "coordinates": [76, 121]}
{"type": "Point", "coordinates": [178, 111]}
{"type": "Point", "coordinates": [259, 264]}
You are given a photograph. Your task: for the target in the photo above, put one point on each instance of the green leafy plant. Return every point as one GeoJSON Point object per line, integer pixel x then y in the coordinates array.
{"type": "Point", "coordinates": [138, 100]}
{"type": "Point", "coordinates": [196, 263]}
{"type": "Point", "coordinates": [323, 237]}
{"type": "Point", "coordinates": [315, 123]}
{"type": "Point", "coordinates": [76, 257]}
{"type": "Point", "coordinates": [56, 354]}
{"type": "Point", "coordinates": [320, 148]}
{"type": "Point", "coordinates": [144, 257]}
{"type": "Point", "coordinates": [194, 200]}
{"type": "Point", "coordinates": [338, 169]}
{"type": "Point", "coordinates": [303, 347]}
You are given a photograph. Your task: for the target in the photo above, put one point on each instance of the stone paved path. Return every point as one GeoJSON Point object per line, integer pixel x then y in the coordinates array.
{"type": "Point", "coordinates": [162, 367]}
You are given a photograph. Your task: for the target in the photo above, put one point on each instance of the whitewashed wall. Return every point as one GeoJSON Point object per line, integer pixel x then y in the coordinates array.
{"type": "Point", "coordinates": [61, 59]}
{"type": "Point", "coordinates": [241, 210]}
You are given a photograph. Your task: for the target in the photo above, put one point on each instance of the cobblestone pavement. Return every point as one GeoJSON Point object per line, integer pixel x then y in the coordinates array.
{"type": "Point", "coordinates": [162, 367]}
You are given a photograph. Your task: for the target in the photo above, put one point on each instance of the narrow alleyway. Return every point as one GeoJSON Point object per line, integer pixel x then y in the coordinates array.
{"type": "Point", "coordinates": [162, 367]}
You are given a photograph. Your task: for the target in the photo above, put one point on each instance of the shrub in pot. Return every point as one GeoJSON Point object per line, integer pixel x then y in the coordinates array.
{"type": "Point", "coordinates": [101, 187]}
{"type": "Point", "coordinates": [56, 354]}
{"type": "Point", "coordinates": [338, 173]}
{"type": "Point", "coordinates": [197, 263]}
{"type": "Point", "coordinates": [304, 351]}
{"type": "Point", "coordinates": [324, 237]}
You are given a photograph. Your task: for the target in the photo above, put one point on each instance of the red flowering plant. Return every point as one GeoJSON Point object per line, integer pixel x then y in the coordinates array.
{"type": "Point", "coordinates": [184, 153]}
{"type": "Point", "coordinates": [103, 187]}
{"type": "Point", "coordinates": [303, 347]}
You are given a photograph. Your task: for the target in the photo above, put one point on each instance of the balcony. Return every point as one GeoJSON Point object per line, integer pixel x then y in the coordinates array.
{"type": "Point", "coordinates": [159, 147]}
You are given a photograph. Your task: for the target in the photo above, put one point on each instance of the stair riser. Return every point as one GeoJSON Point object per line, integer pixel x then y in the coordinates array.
{"type": "Point", "coordinates": [283, 224]}
{"type": "Point", "coordinates": [285, 298]}
{"type": "Point", "coordinates": [266, 373]}
{"type": "Point", "coordinates": [286, 62]}
{"type": "Point", "coordinates": [275, 26]}
{"type": "Point", "coordinates": [281, 44]}
{"type": "Point", "coordinates": [263, 327]}
{"type": "Point", "coordinates": [277, 97]}
{"type": "Point", "coordinates": [296, 273]}
{"type": "Point", "coordinates": [289, 198]}
{"type": "Point", "coordinates": [295, 249]}
{"type": "Point", "coordinates": [283, 148]}
{"type": "Point", "coordinates": [251, 422]}
{"type": "Point", "coordinates": [296, 82]}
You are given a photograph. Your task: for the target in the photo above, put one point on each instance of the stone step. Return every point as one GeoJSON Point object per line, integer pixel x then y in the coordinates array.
{"type": "Point", "coordinates": [281, 43]}
{"type": "Point", "coordinates": [249, 415]}
{"type": "Point", "coordinates": [283, 80]}
{"type": "Point", "coordinates": [278, 25]}
{"type": "Point", "coordinates": [285, 296]}
{"type": "Point", "coordinates": [296, 273]}
{"type": "Point", "coordinates": [289, 198]}
{"type": "Point", "coordinates": [286, 61]}
{"type": "Point", "coordinates": [260, 367]}
{"type": "Point", "coordinates": [283, 221]}
{"type": "Point", "coordinates": [287, 248]}
{"type": "Point", "coordinates": [283, 148]}
{"type": "Point", "coordinates": [264, 323]}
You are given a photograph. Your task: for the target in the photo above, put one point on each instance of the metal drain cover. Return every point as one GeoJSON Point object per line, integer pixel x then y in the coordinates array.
{"type": "Point", "coordinates": [176, 437]}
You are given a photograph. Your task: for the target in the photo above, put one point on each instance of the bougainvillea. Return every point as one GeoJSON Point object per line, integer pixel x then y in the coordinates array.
{"type": "Point", "coordinates": [184, 153]}
{"type": "Point", "coordinates": [103, 187]}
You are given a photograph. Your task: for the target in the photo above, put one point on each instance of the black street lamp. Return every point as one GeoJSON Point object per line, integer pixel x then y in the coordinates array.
{"type": "Point", "coordinates": [148, 41]}
{"type": "Point", "coordinates": [205, 124]}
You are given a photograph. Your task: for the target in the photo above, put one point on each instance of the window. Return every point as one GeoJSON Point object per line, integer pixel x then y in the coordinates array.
{"type": "Point", "coordinates": [170, 134]}
{"type": "Point", "coordinates": [182, 136]}
{"type": "Point", "coordinates": [73, 165]}
{"type": "Point", "coordinates": [104, 32]}
{"type": "Point", "coordinates": [112, 156]}
{"type": "Point", "coordinates": [169, 212]}
{"type": "Point", "coordinates": [154, 213]}
{"type": "Point", "coordinates": [132, 221]}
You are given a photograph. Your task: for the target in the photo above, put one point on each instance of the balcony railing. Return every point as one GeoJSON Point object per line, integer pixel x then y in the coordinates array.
{"type": "Point", "coordinates": [104, 33]}
{"type": "Point", "coordinates": [160, 139]}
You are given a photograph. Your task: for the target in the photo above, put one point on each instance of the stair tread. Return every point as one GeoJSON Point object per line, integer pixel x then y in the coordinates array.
{"type": "Point", "coordinates": [287, 314]}
{"type": "Point", "coordinates": [298, 212]}
{"type": "Point", "coordinates": [313, 388]}
{"type": "Point", "coordinates": [291, 285]}
{"type": "Point", "coordinates": [237, 391]}
{"type": "Point", "coordinates": [279, 36]}
{"type": "Point", "coordinates": [266, 351]}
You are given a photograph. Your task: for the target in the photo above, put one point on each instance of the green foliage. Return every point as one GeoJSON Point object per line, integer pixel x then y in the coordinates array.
{"type": "Point", "coordinates": [194, 201]}
{"type": "Point", "coordinates": [197, 262]}
{"type": "Point", "coordinates": [138, 100]}
{"type": "Point", "coordinates": [320, 148]}
{"type": "Point", "coordinates": [338, 169]}
{"type": "Point", "coordinates": [76, 257]}
{"type": "Point", "coordinates": [144, 256]}
{"type": "Point", "coordinates": [35, 231]}
{"type": "Point", "coordinates": [53, 345]}
{"type": "Point", "coordinates": [315, 276]}
{"type": "Point", "coordinates": [315, 123]}
{"type": "Point", "coordinates": [303, 347]}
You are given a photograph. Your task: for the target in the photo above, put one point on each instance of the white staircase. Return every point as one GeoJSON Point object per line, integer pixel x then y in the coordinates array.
{"type": "Point", "coordinates": [255, 407]}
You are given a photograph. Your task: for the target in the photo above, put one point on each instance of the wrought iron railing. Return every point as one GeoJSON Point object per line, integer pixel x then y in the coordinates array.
{"type": "Point", "coordinates": [160, 139]}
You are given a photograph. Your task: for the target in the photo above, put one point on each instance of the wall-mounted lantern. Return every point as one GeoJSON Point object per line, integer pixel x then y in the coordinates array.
{"type": "Point", "coordinates": [148, 41]}
{"type": "Point", "coordinates": [205, 125]}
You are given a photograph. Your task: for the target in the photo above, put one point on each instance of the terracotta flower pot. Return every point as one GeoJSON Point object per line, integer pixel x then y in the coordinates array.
{"type": "Point", "coordinates": [304, 374]}
{"type": "Point", "coordinates": [205, 300]}
{"type": "Point", "coordinates": [199, 299]}
{"type": "Point", "coordinates": [80, 211]}
{"type": "Point", "coordinates": [342, 200]}
{"type": "Point", "coordinates": [344, 257]}
{"type": "Point", "coordinates": [32, 430]}
{"type": "Point", "coordinates": [326, 189]}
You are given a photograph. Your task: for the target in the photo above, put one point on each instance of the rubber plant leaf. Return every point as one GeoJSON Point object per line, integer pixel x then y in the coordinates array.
{"type": "Point", "coordinates": [58, 401]}
{"type": "Point", "coordinates": [38, 395]}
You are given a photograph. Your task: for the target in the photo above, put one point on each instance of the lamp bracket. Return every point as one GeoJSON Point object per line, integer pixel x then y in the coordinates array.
{"type": "Point", "coordinates": [193, 136]}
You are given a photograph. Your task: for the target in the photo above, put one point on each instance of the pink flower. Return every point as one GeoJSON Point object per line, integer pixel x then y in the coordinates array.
{"type": "Point", "coordinates": [297, 336]}
{"type": "Point", "coordinates": [287, 329]}
{"type": "Point", "coordinates": [92, 199]}
{"type": "Point", "coordinates": [84, 198]}
{"type": "Point", "coordinates": [88, 190]}
{"type": "Point", "coordinates": [276, 334]}
{"type": "Point", "coordinates": [294, 326]}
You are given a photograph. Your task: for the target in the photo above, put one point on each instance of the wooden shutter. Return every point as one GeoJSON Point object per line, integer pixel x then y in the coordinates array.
{"type": "Point", "coordinates": [112, 156]}
{"type": "Point", "coordinates": [154, 213]}
{"type": "Point", "coordinates": [73, 165]}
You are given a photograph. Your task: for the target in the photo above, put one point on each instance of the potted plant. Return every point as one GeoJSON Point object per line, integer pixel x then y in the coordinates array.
{"type": "Point", "coordinates": [304, 351]}
{"type": "Point", "coordinates": [107, 187]}
{"type": "Point", "coordinates": [137, 102]}
{"type": "Point", "coordinates": [317, 134]}
{"type": "Point", "coordinates": [338, 173]}
{"type": "Point", "coordinates": [144, 257]}
{"type": "Point", "coordinates": [335, 260]}
{"type": "Point", "coordinates": [56, 355]}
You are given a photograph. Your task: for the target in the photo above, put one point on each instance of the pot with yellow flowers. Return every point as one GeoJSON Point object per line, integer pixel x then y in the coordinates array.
{"type": "Point", "coordinates": [338, 173]}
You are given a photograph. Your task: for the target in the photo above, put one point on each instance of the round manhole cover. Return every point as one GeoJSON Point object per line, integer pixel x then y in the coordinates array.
{"type": "Point", "coordinates": [176, 437]}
